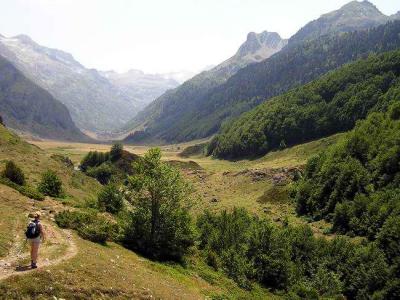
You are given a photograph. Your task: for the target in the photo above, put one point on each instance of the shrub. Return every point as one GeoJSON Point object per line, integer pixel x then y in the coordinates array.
{"type": "Point", "coordinates": [116, 151]}
{"type": "Point", "coordinates": [51, 184]}
{"type": "Point", "coordinates": [102, 173]}
{"type": "Point", "coordinates": [90, 225]}
{"type": "Point", "coordinates": [110, 199]}
{"type": "Point", "coordinates": [14, 173]}
{"type": "Point", "coordinates": [160, 224]}
{"type": "Point", "coordinates": [94, 159]}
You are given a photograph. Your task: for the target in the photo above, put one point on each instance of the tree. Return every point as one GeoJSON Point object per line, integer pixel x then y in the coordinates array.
{"type": "Point", "coordinates": [160, 224]}
{"type": "Point", "coordinates": [116, 151]}
{"type": "Point", "coordinates": [14, 173]}
{"type": "Point", "coordinates": [102, 173]}
{"type": "Point", "coordinates": [110, 199]}
{"type": "Point", "coordinates": [1, 121]}
{"type": "Point", "coordinates": [51, 184]}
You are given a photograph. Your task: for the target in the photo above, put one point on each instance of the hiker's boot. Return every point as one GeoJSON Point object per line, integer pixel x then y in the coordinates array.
{"type": "Point", "coordinates": [33, 265]}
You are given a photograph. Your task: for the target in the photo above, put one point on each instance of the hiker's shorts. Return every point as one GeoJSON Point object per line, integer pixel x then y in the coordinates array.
{"type": "Point", "coordinates": [35, 240]}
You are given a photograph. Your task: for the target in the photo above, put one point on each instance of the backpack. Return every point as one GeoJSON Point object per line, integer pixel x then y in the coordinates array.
{"type": "Point", "coordinates": [32, 230]}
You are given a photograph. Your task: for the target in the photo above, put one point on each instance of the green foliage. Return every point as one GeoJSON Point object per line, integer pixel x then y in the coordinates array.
{"type": "Point", "coordinates": [355, 183]}
{"type": "Point", "coordinates": [291, 258]}
{"type": "Point", "coordinates": [23, 189]}
{"type": "Point", "coordinates": [389, 240]}
{"type": "Point", "coordinates": [89, 224]}
{"type": "Point", "coordinates": [102, 173]}
{"type": "Point", "coordinates": [110, 199]}
{"type": "Point", "coordinates": [94, 159]}
{"type": "Point", "coordinates": [333, 103]}
{"type": "Point", "coordinates": [160, 224]}
{"type": "Point", "coordinates": [116, 151]}
{"type": "Point", "coordinates": [51, 184]}
{"type": "Point", "coordinates": [114, 166]}
{"type": "Point", "coordinates": [13, 173]}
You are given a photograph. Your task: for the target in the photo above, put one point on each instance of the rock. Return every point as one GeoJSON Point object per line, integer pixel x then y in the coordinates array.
{"type": "Point", "coordinates": [214, 199]}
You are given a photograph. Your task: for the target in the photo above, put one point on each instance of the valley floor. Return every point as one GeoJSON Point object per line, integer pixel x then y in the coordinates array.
{"type": "Point", "coordinates": [73, 268]}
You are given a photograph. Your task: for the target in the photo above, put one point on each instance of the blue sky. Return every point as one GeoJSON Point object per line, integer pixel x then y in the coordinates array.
{"type": "Point", "coordinates": [158, 35]}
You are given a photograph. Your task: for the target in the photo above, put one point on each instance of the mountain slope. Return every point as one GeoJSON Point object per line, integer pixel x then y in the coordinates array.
{"type": "Point", "coordinates": [182, 116]}
{"type": "Point", "coordinates": [256, 48]}
{"type": "Point", "coordinates": [94, 102]}
{"type": "Point", "coordinates": [135, 84]}
{"type": "Point", "coordinates": [328, 105]}
{"type": "Point", "coordinates": [25, 106]}
{"type": "Point", "coordinates": [352, 16]}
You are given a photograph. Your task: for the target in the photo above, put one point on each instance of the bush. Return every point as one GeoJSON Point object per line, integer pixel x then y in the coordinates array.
{"type": "Point", "coordinates": [14, 173]}
{"type": "Point", "coordinates": [51, 184]}
{"type": "Point", "coordinates": [160, 224]}
{"type": "Point", "coordinates": [102, 173]}
{"type": "Point", "coordinates": [94, 159]}
{"type": "Point", "coordinates": [89, 224]}
{"type": "Point", "coordinates": [116, 151]}
{"type": "Point", "coordinates": [110, 199]}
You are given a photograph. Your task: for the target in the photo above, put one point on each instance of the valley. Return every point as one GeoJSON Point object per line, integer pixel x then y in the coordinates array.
{"type": "Point", "coordinates": [273, 174]}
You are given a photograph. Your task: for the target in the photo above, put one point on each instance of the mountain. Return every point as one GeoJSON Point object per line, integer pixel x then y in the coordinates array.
{"type": "Point", "coordinates": [96, 103]}
{"type": "Point", "coordinates": [352, 16]}
{"type": "Point", "coordinates": [192, 112]}
{"type": "Point", "coordinates": [331, 104]}
{"type": "Point", "coordinates": [256, 48]}
{"type": "Point", "coordinates": [26, 107]}
{"type": "Point", "coordinates": [135, 84]}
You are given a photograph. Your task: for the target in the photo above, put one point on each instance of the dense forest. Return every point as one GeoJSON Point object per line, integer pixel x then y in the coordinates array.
{"type": "Point", "coordinates": [202, 114]}
{"type": "Point", "coordinates": [355, 183]}
{"type": "Point", "coordinates": [292, 259]}
{"type": "Point", "coordinates": [331, 104]}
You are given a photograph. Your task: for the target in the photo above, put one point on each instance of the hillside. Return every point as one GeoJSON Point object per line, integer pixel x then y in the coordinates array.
{"type": "Point", "coordinates": [189, 117]}
{"type": "Point", "coordinates": [330, 104]}
{"type": "Point", "coordinates": [256, 48]}
{"type": "Point", "coordinates": [71, 267]}
{"type": "Point", "coordinates": [26, 107]}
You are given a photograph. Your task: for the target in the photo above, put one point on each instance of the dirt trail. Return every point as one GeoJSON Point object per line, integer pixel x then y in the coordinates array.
{"type": "Point", "coordinates": [12, 264]}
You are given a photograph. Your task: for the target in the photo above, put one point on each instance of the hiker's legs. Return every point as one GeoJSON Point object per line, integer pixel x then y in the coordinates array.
{"type": "Point", "coordinates": [34, 252]}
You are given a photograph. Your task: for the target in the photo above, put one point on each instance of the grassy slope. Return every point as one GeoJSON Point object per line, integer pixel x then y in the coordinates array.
{"type": "Point", "coordinates": [97, 271]}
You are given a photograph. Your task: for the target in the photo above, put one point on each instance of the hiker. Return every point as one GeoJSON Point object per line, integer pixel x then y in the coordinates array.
{"type": "Point", "coordinates": [35, 235]}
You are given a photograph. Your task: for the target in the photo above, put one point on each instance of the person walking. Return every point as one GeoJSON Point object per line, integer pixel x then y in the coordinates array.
{"type": "Point", "coordinates": [35, 235]}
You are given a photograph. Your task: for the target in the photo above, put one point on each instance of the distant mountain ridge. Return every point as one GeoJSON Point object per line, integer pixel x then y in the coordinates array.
{"type": "Point", "coordinates": [96, 103]}
{"type": "Point", "coordinates": [135, 84]}
{"type": "Point", "coordinates": [191, 113]}
{"type": "Point", "coordinates": [26, 107]}
{"type": "Point", "coordinates": [256, 48]}
{"type": "Point", "coordinates": [354, 15]}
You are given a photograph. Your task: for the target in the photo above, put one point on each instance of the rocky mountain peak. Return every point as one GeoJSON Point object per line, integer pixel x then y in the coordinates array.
{"type": "Point", "coordinates": [352, 16]}
{"type": "Point", "coordinates": [258, 41]}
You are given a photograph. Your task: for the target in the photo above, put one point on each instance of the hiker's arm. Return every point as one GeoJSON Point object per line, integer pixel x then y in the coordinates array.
{"type": "Point", "coordinates": [42, 233]}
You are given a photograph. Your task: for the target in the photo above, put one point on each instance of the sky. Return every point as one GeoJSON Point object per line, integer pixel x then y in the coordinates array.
{"type": "Point", "coordinates": [158, 36]}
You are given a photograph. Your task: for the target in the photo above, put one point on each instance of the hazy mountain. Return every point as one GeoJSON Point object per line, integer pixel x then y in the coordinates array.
{"type": "Point", "coordinates": [26, 107]}
{"type": "Point", "coordinates": [256, 48]}
{"type": "Point", "coordinates": [182, 116]}
{"type": "Point", "coordinates": [352, 16]}
{"type": "Point", "coordinates": [135, 84]}
{"type": "Point", "coordinates": [94, 102]}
